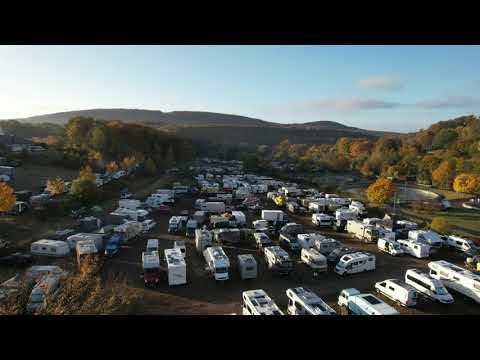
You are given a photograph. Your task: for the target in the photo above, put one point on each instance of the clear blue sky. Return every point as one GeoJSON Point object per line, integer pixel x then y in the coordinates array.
{"type": "Point", "coordinates": [399, 88]}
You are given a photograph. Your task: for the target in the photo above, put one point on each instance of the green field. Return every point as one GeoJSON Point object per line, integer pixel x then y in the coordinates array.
{"type": "Point", "coordinates": [450, 195]}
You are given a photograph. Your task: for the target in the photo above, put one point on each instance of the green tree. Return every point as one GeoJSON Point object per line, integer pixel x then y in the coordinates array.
{"type": "Point", "coordinates": [444, 138]}
{"type": "Point", "coordinates": [98, 139]}
{"type": "Point", "coordinates": [84, 190]}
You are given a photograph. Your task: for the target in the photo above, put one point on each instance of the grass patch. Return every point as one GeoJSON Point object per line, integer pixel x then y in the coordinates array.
{"type": "Point", "coordinates": [457, 217]}
{"type": "Point", "coordinates": [450, 195]}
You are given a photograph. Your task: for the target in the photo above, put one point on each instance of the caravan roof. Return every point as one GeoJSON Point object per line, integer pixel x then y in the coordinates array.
{"type": "Point", "coordinates": [246, 259]}
{"type": "Point", "coordinates": [435, 265]}
{"type": "Point", "coordinates": [174, 257]}
{"type": "Point", "coordinates": [263, 304]}
{"type": "Point", "coordinates": [312, 302]}
{"type": "Point", "coordinates": [150, 260]}
{"type": "Point", "coordinates": [219, 257]}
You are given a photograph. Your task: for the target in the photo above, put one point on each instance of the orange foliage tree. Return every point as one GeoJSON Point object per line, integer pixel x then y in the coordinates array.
{"type": "Point", "coordinates": [111, 168]}
{"type": "Point", "coordinates": [467, 183]}
{"type": "Point", "coordinates": [56, 185]}
{"type": "Point", "coordinates": [360, 147]}
{"type": "Point", "coordinates": [381, 191]}
{"type": "Point", "coordinates": [443, 175]}
{"type": "Point", "coordinates": [7, 197]}
{"type": "Point", "coordinates": [86, 173]}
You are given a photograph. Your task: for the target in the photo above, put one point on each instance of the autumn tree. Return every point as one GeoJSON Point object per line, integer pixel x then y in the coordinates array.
{"type": "Point", "coordinates": [360, 147]}
{"type": "Point", "coordinates": [7, 197]}
{"type": "Point", "coordinates": [467, 183]}
{"type": "Point", "coordinates": [56, 185]}
{"type": "Point", "coordinates": [424, 139]}
{"type": "Point", "coordinates": [84, 190]}
{"type": "Point", "coordinates": [111, 168]}
{"type": "Point", "coordinates": [440, 225]}
{"type": "Point", "coordinates": [86, 173]}
{"type": "Point", "coordinates": [128, 162]}
{"type": "Point", "coordinates": [380, 191]}
{"type": "Point", "coordinates": [443, 176]}
{"type": "Point", "coordinates": [444, 138]}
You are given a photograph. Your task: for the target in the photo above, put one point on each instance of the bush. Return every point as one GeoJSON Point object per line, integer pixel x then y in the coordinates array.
{"type": "Point", "coordinates": [440, 225]}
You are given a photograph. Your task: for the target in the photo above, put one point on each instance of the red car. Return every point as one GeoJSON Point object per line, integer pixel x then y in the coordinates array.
{"type": "Point", "coordinates": [162, 209]}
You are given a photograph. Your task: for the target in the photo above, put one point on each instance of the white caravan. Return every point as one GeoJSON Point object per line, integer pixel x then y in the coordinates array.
{"type": "Point", "coordinates": [257, 302]}
{"type": "Point", "coordinates": [415, 248]}
{"type": "Point", "coordinates": [428, 286]}
{"type": "Point", "coordinates": [261, 240]}
{"type": "Point", "coordinates": [152, 245]}
{"type": "Point", "coordinates": [217, 262]}
{"type": "Point", "coordinates": [398, 291]}
{"type": "Point", "coordinates": [274, 215]}
{"type": "Point", "coordinates": [390, 247]}
{"type": "Point", "coordinates": [278, 259]}
{"type": "Point", "coordinates": [314, 259]}
{"type": "Point", "coordinates": [427, 237]}
{"type": "Point", "coordinates": [456, 278]}
{"type": "Point", "coordinates": [47, 247]}
{"type": "Point", "coordinates": [96, 238]}
{"type": "Point", "coordinates": [203, 239]}
{"type": "Point", "coordinates": [303, 301]}
{"type": "Point", "coordinates": [307, 241]}
{"type": "Point", "coordinates": [355, 263]}
{"type": "Point", "coordinates": [461, 244]}
{"type": "Point", "coordinates": [322, 220]}
{"type": "Point", "coordinates": [247, 266]}
{"type": "Point", "coordinates": [362, 231]}
{"type": "Point", "coordinates": [326, 246]}
{"type": "Point", "coordinates": [176, 266]}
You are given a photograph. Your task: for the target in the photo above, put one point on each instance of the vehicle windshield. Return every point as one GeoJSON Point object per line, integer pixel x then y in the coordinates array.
{"type": "Point", "coordinates": [221, 270]}
{"type": "Point", "coordinates": [150, 271]}
{"type": "Point", "coordinates": [441, 291]}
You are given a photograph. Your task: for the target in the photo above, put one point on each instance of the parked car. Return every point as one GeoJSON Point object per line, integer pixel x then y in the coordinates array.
{"type": "Point", "coordinates": [17, 259]}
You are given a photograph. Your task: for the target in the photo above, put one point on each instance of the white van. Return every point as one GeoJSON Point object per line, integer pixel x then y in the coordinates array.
{"type": "Point", "coordinates": [50, 248]}
{"type": "Point", "coordinates": [415, 248]}
{"type": "Point", "coordinates": [398, 291]}
{"type": "Point", "coordinates": [390, 247]}
{"type": "Point", "coordinates": [355, 263]}
{"type": "Point", "coordinates": [431, 288]}
{"type": "Point", "coordinates": [152, 245]}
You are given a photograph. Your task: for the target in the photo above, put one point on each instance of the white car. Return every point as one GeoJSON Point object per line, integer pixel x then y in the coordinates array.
{"type": "Point", "coordinates": [148, 225]}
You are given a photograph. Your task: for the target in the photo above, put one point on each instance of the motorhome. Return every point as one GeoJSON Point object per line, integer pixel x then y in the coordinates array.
{"type": "Point", "coordinates": [355, 263]}
{"type": "Point", "coordinates": [203, 239]}
{"type": "Point", "coordinates": [306, 241]}
{"type": "Point", "coordinates": [47, 247]}
{"type": "Point", "coordinates": [390, 247]}
{"type": "Point", "coordinates": [456, 278]}
{"type": "Point", "coordinates": [247, 266]}
{"type": "Point", "coordinates": [342, 215]}
{"type": "Point", "coordinates": [278, 260]}
{"type": "Point", "coordinates": [464, 245]}
{"type": "Point", "coordinates": [257, 302]}
{"type": "Point", "coordinates": [366, 233]}
{"type": "Point", "coordinates": [151, 268]}
{"type": "Point", "coordinates": [398, 291]}
{"type": "Point", "coordinates": [322, 220]}
{"type": "Point", "coordinates": [180, 245]}
{"type": "Point", "coordinates": [176, 267]}
{"type": "Point", "coordinates": [430, 238]}
{"type": "Point", "coordinates": [314, 259]}
{"type": "Point", "coordinates": [303, 301]}
{"type": "Point", "coordinates": [318, 205]}
{"type": "Point", "coordinates": [414, 248]}
{"type": "Point", "coordinates": [217, 262]}
{"type": "Point", "coordinates": [261, 240]}
{"type": "Point", "coordinates": [358, 208]}
{"type": "Point", "coordinates": [357, 303]}
{"type": "Point", "coordinates": [428, 286]}
{"type": "Point", "coordinates": [174, 224]}
{"type": "Point", "coordinates": [288, 236]}
{"type": "Point", "coordinates": [133, 215]}
{"type": "Point", "coordinates": [152, 245]}
{"type": "Point", "coordinates": [190, 228]}
{"type": "Point", "coordinates": [326, 245]}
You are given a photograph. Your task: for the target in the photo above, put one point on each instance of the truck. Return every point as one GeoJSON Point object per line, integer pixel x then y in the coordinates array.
{"type": "Point", "coordinates": [288, 236]}
{"type": "Point", "coordinates": [366, 233]}
{"type": "Point", "coordinates": [356, 303]}
{"type": "Point", "coordinates": [278, 260]}
{"type": "Point", "coordinates": [151, 268]}
{"type": "Point", "coordinates": [203, 239]}
{"type": "Point", "coordinates": [218, 263]}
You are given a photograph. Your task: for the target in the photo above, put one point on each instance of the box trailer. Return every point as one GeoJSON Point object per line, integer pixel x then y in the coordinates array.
{"type": "Point", "coordinates": [176, 267]}
{"type": "Point", "coordinates": [247, 266]}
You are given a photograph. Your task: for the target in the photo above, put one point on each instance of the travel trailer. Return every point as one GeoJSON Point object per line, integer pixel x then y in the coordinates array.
{"type": "Point", "coordinates": [203, 239]}
{"type": "Point", "coordinates": [46, 247]}
{"type": "Point", "coordinates": [428, 286]}
{"type": "Point", "coordinates": [326, 245]}
{"type": "Point", "coordinates": [261, 240]}
{"type": "Point", "coordinates": [430, 238]}
{"type": "Point", "coordinates": [314, 259]}
{"type": "Point", "coordinates": [306, 241]}
{"type": "Point", "coordinates": [217, 262]}
{"type": "Point", "coordinates": [257, 302]}
{"type": "Point", "coordinates": [176, 267]}
{"type": "Point", "coordinates": [456, 278]}
{"type": "Point", "coordinates": [322, 220]}
{"type": "Point", "coordinates": [355, 263]}
{"type": "Point", "coordinates": [398, 291]}
{"type": "Point", "coordinates": [247, 266]}
{"type": "Point", "coordinates": [151, 268]}
{"type": "Point", "coordinates": [366, 233]}
{"type": "Point", "coordinates": [303, 301]}
{"type": "Point", "coordinates": [390, 247]}
{"type": "Point", "coordinates": [414, 248]}
{"type": "Point", "coordinates": [46, 287]}
{"type": "Point", "coordinates": [357, 303]}
{"type": "Point", "coordinates": [85, 249]}
{"type": "Point", "coordinates": [278, 260]}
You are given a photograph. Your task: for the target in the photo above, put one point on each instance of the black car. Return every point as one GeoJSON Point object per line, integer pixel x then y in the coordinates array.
{"type": "Point", "coordinates": [17, 259]}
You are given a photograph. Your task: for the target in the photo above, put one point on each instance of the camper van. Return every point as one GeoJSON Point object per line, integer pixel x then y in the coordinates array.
{"type": "Point", "coordinates": [465, 245]}
{"type": "Point", "coordinates": [257, 302]}
{"type": "Point", "coordinates": [217, 262]}
{"type": "Point", "coordinates": [355, 263]}
{"type": "Point", "coordinates": [357, 303]}
{"type": "Point", "coordinates": [456, 278]}
{"type": "Point", "coordinates": [176, 267]}
{"type": "Point", "coordinates": [398, 291]}
{"type": "Point", "coordinates": [314, 259]}
{"type": "Point", "coordinates": [278, 260]}
{"type": "Point", "coordinates": [307, 241]}
{"type": "Point", "coordinates": [414, 248]}
{"type": "Point", "coordinates": [247, 266]}
{"type": "Point", "coordinates": [390, 247]}
{"type": "Point", "coordinates": [326, 245]}
{"type": "Point", "coordinates": [427, 286]}
{"type": "Point", "coordinates": [152, 245]}
{"type": "Point", "coordinates": [303, 301]}
{"type": "Point", "coordinates": [203, 239]}
{"type": "Point", "coordinates": [261, 240]}
{"type": "Point", "coordinates": [322, 220]}
{"type": "Point", "coordinates": [365, 232]}
{"type": "Point", "coordinates": [46, 247]}
{"type": "Point", "coordinates": [151, 268]}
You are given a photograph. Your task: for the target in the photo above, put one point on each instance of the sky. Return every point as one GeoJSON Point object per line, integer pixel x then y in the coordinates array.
{"type": "Point", "coordinates": [393, 88]}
